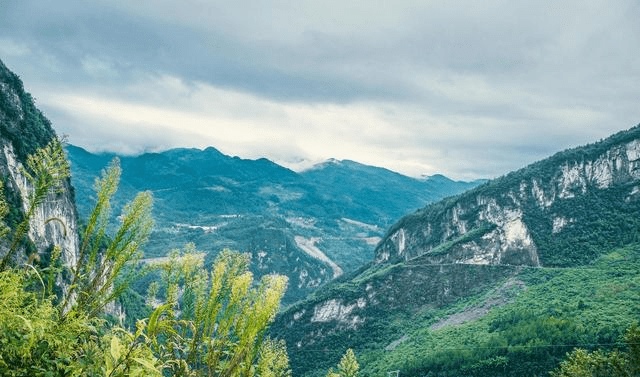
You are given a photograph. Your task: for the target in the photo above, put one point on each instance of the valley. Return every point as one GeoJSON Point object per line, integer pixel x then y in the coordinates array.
{"type": "Point", "coordinates": [418, 277]}
{"type": "Point", "coordinates": [501, 279]}
{"type": "Point", "coordinates": [312, 226]}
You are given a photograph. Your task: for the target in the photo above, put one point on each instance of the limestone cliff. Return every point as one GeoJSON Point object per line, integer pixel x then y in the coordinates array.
{"type": "Point", "coordinates": [564, 211]}
{"type": "Point", "coordinates": [510, 220]}
{"type": "Point", "coordinates": [23, 129]}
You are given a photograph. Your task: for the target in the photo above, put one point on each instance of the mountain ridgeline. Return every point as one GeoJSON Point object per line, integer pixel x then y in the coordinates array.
{"type": "Point", "coordinates": [564, 211]}
{"type": "Point", "coordinates": [490, 282]}
{"type": "Point", "coordinates": [501, 280]}
{"type": "Point", "coordinates": [311, 226]}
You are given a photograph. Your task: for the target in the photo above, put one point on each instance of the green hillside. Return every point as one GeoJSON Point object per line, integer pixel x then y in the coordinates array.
{"type": "Point", "coordinates": [535, 316]}
{"type": "Point", "coordinates": [502, 280]}
{"type": "Point", "coordinates": [463, 320]}
{"type": "Point", "coordinates": [341, 208]}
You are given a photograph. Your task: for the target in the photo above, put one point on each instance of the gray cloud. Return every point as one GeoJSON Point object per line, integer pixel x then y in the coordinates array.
{"type": "Point", "coordinates": [465, 88]}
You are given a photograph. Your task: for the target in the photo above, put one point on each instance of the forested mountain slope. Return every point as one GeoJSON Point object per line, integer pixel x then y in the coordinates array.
{"type": "Point", "coordinates": [311, 226]}
{"type": "Point", "coordinates": [562, 211]}
{"type": "Point", "coordinates": [501, 280]}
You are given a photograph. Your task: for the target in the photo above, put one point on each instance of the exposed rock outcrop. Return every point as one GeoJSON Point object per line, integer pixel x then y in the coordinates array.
{"type": "Point", "coordinates": [564, 211]}
{"type": "Point", "coordinates": [487, 226]}
{"type": "Point", "coordinates": [23, 129]}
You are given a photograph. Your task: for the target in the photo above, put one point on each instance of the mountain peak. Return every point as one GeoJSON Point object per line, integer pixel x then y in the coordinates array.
{"type": "Point", "coordinates": [435, 177]}
{"type": "Point", "coordinates": [324, 164]}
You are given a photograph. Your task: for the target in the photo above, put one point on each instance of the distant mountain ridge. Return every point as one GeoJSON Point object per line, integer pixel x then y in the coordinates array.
{"type": "Point", "coordinates": [461, 273]}
{"type": "Point", "coordinates": [311, 225]}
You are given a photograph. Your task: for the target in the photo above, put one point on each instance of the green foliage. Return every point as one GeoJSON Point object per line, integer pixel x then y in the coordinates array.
{"type": "Point", "coordinates": [273, 359]}
{"type": "Point", "coordinates": [604, 220]}
{"type": "Point", "coordinates": [581, 363]}
{"type": "Point", "coordinates": [524, 327]}
{"type": "Point", "coordinates": [217, 325]}
{"type": "Point", "coordinates": [560, 308]}
{"type": "Point", "coordinates": [14, 202]}
{"type": "Point", "coordinates": [210, 324]}
{"type": "Point", "coordinates": [26, 127]}
{"type": "Point", "coordinates": [331, 373]}
{"type": "Point", "coordinates": [35, 340]}
{"type": "Point", "coordinates": [46, 170]}
{"type": "Point", "coordinates": [103, 274]}
{"type": "Point", "coordinates": [128, 355]}
{"type": "Point", "coordinates": [4, 211]}
{"type": "Point", "coordinates": [42, 335]}
{"type": "Point", "coordinates": [134, 305]}
{"type": "Point", "coordinates": [348, 365]}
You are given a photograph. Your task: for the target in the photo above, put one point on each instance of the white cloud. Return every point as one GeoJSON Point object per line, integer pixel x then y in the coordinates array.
{"type": "Point", "coordinates": [98, 67]}
{"type": "Point", "coordinates": [466, 88]}
{"type": "Point", "coordinates": [405, 138]}
{"type": "Point", "coordinates": [10, 47]}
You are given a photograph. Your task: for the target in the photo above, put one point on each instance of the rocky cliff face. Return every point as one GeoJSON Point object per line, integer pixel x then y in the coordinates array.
{"type": "Point", "coordinates": [564, 211]}
{"type": "Point", "coordinates": [368, 311]}
{"type": "Point", "coordinates": [23, 129]}
{"type": "Point", "coordinates": [500, 222]}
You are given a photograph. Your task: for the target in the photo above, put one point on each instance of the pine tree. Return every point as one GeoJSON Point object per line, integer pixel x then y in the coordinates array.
{"type": "Point", "coordinates": [347, 367]}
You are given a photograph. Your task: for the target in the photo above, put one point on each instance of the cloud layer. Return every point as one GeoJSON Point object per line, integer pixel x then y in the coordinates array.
{"type": "Point", "coordinates": [471, 89]}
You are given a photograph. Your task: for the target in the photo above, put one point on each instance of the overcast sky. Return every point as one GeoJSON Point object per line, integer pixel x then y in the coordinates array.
{"type": "Point", "coordinates": [469, 89]}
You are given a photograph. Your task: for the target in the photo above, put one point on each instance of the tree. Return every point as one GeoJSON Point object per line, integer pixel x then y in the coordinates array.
{"type": "Point", "coordinates": [273, 359]}
{"type": "Point", "coordinates": [581, 363]}
{"type": "Point", "coordinates": [347, 367]}
{"type": "Point", "coordinates": [43, 334]}
{"type": "Point", "coordinates": [106, 267]}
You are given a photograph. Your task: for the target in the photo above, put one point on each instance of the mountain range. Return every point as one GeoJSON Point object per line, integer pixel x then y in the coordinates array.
{"type": "Point", "coordinates": [312, 226]}
{"type": "Point", "coordinates": [501, 280]}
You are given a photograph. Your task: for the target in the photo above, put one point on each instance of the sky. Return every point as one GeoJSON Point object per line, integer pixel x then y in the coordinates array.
{"type": "Point", "coordinates": [469, 89]}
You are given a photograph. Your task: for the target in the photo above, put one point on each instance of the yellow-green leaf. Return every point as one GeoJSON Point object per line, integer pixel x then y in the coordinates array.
{"type": "Point", "coordinates": [116, 348]}
{"type": "Point", "coordinates": [148, 365]}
